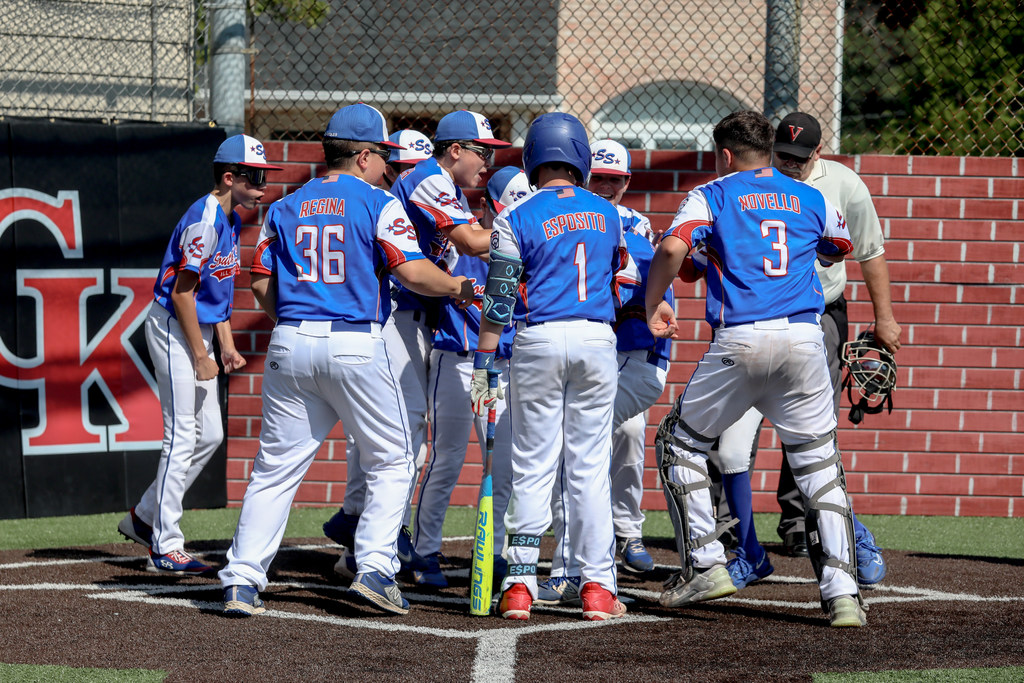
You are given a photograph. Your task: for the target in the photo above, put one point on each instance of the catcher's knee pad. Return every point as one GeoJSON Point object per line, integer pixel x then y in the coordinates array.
{"type": "Point", "coordinates": [825, 494]}
{"type": "Point", "coordinates": [523, 541]}
{"type": "Point", "coordinates": [671, 451]}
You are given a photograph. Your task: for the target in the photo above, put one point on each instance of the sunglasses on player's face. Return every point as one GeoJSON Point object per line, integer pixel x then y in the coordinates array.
{"type": "Point", "coordinates": [384, 154]}
{"type": "Point", "coordinates": [256, 176]}
{"type": "Point", "coordinates": [485, 153]}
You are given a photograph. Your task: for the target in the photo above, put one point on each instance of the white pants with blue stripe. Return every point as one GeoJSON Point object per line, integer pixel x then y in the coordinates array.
{"type": "Point", "coordinates": [193, 428]}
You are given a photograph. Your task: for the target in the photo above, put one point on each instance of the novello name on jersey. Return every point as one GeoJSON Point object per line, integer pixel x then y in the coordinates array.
{"type": "Point", "coordinates": [769, 200]}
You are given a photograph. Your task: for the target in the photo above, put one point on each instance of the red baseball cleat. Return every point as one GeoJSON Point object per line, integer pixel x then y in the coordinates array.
{"type": "Point", "coordinates": [516, 602]}
{"type": "Point", "coordinates": [599, 604]}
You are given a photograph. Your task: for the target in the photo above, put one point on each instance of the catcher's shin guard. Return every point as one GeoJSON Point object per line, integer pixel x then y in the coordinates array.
{"type": "Point", "coordinates": [669, 450]}
{"type": "Point", "coordinates": [816, 507]}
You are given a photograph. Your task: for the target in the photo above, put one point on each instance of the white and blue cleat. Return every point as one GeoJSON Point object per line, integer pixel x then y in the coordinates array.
{"type": "Point", "coordinates": [379, 591]}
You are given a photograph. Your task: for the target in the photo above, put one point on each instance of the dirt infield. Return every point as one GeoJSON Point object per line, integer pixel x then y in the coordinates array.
{"type": "Point", "coordinates": [96, 607]}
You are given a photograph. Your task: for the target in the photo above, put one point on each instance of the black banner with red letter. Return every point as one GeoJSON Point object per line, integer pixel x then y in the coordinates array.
{"type": "Point", "coordinates": [86, 210]}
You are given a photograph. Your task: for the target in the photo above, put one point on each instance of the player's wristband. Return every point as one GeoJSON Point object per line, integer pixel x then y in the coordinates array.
{"type": "Point", "coordinates": [484, 360]}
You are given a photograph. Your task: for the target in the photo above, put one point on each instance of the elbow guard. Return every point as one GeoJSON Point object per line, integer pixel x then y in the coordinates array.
{"type": "Point", "coordinates": [501, 288]}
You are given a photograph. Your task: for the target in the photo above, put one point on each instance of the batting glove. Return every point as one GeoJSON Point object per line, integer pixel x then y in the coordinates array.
{"type": "Point", "coordinates": [485, 388]}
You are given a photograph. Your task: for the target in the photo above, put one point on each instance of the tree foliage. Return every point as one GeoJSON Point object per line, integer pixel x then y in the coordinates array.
{"type": "Point", "coordinates": [311, 13]}
{"type": "Point", "coordinates": [951, 82]}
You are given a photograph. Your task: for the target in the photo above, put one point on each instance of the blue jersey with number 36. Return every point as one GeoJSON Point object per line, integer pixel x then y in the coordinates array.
{"type": "Point", "coordinates": [329, 245]}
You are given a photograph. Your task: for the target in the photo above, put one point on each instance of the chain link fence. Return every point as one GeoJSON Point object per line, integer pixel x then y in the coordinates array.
{"type": "Point", "coordinates": [98, 59]}
{"type": "Point", "coordinates": [882, 76]}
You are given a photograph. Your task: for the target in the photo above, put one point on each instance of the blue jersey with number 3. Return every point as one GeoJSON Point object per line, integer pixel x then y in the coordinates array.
{"type": "Point", "coordinates": [571, 244]}
{"type": "Point", "coordinates": [762, 231]}
{"type": "Point", "coordinates": [329, 244]}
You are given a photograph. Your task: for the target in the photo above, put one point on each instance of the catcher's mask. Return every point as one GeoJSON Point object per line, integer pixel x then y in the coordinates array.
{"type": "Point", "coordinates": [871, 370]}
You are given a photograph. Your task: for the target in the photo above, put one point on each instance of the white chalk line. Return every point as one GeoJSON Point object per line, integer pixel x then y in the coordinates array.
{"type": "Point", "coordinates": [496, 648]}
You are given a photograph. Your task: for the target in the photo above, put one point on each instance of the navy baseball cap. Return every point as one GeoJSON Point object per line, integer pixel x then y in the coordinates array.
{"type": "Point", "coordinates": [361, 123]}
{"type": "Point", "coordinates": [506, 186]}
{"type": "Point", "coordinates": [798, 134]}
{"type": "Point", "coordinates": [243, 150]}
{"type": "Point", "coordinates": [467, 125]}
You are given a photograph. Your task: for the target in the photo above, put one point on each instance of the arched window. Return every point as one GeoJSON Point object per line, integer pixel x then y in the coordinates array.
{"type": "Point", "coordinates": [665, 115]}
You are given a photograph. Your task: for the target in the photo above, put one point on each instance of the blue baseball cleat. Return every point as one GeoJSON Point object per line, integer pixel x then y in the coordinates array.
{"type": "Point", "coordinates": [559, 590]}
{"type": "Point", "coordinates": [341, 528]}
{"type": "Point", "coordinates": [431, 575]}
{"type": "Point", "coordinates": [635, 557]}
{"type": "Point", "coordinates": [134, 529]}
{"type": "Point", "coordinates": [743, 573]}
{"type": "Point", "coordinates": [380, 591]}
{"type": "Point", "coordinates": [242, 601]}
{"type": "Point", "coordinates": [870, 565]}
{"type": "Point", "coordinates": [177, 562]}
{"type": "Point", "coordinates": [411, 560]}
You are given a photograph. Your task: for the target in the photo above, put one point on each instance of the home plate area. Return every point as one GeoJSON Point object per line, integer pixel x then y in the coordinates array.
{"type": "Point", "coordinates": [97, 607]}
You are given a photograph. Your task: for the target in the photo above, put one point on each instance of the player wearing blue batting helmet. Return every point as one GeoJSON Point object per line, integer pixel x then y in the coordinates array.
{"type": "Point", "coordinates": [557, 138]}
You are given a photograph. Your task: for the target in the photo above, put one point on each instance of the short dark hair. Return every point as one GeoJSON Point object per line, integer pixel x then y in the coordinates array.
{"type": "Point", "coordinates": [220, 168]}
{"type": "Point", "coordinates": [749, 135]}
{"type": "Point", "coordinates": [339, 153]}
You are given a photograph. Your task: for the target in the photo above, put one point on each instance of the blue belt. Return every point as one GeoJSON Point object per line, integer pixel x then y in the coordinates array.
{"type": "Point", "coordinates": [336, 325]}
{"type": "Point", "coordinates": [657, 359]}
{"type": "Point", "coordinates": [806, 317]}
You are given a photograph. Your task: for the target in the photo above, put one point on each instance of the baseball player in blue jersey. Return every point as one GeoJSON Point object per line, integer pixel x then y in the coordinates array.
{"type": "Point", "coordinates": [414, 147]}
{"type": "Point", "coordinates": [431, 193]}
{"type": "Point", "coordinates": [564, 244]}
{"type": "Point", "coordinates": [451, 368]}
{"type": "Point", "coordinates": [643, 370]}
{"type": "Point", "coordinates": [762, 233]}
{"type": "Point", "coordinates": [193, 296]}
{"type": "Point", "coordinates": [797, 145]}
{"type": "Point", "coordinates": [319, 270]}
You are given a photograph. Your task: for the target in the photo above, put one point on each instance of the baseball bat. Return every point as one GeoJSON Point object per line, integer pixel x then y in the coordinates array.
{"type": "Point", "coordinates": [481, 577]}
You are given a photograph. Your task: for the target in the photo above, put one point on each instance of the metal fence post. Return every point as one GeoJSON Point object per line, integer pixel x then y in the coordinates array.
{"type": "Point", "coordinates": [227, 64]}
{"type": "Point", "coordinates": [782, 59]}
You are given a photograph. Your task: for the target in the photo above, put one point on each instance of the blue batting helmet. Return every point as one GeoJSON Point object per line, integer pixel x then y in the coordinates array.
{"type": "Point", "coordinates": [557, 138]}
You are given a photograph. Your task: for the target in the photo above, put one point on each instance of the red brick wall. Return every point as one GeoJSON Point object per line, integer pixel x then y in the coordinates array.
{"type": "Point", "coordinates": [953, 444]}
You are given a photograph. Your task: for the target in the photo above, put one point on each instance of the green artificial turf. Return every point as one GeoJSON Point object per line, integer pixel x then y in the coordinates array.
{"type": "Point", "coordinates": [971, 536]}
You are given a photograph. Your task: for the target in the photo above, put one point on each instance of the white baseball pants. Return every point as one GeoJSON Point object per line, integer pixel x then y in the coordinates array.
{"type": "Point", "coordinates": [640, 384]}
{"type": "Point", "coordinates": [315, 376]}
{"type": "Point", "coordinates": [193, 428]}
{"type": "Point", "coordinates": [562, 383]}
{"type": "Point", "coordinates": [451, 420]}
{"type": "Point", "coordinates": [409, 342]}
{"type": "Point", "coordinates": [780, 368]}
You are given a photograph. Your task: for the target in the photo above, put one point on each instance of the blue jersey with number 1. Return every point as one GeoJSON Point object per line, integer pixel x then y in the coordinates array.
{"type": "Point", "coordinates": [571, 245]}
